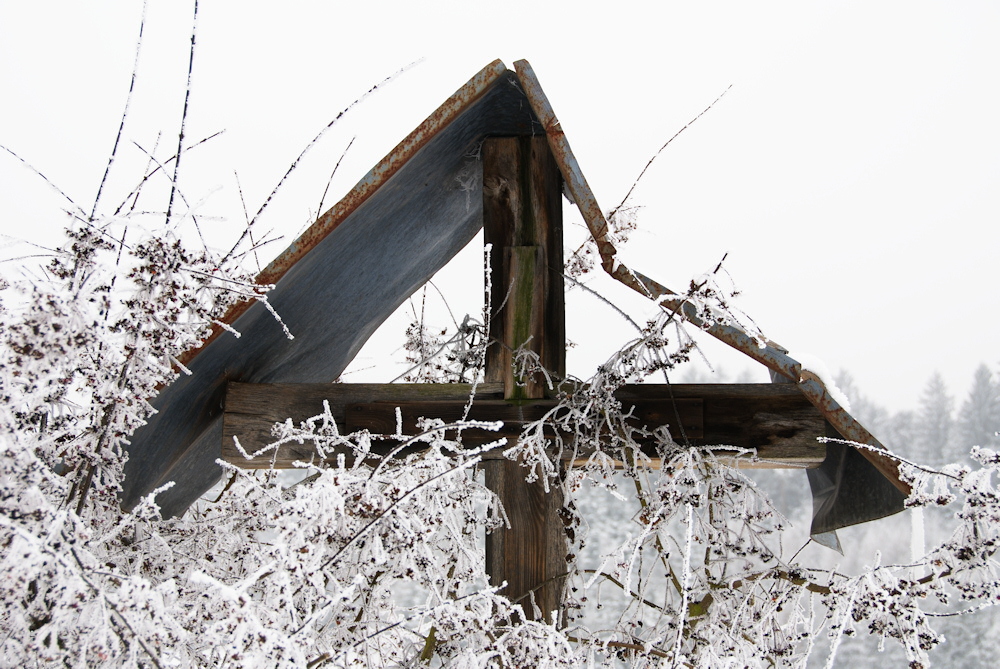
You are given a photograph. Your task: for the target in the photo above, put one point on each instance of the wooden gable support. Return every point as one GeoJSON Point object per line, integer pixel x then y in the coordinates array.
{"type": "Point", "coordinates": [522, 218]}
{"type": "Point", "coordinates": [400, 224]}
{"type": "Point", "coordinates": [522, 222]}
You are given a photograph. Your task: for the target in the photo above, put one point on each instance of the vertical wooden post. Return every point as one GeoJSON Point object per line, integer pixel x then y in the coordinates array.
{"type": "Point", "coordinates": [522, 219]}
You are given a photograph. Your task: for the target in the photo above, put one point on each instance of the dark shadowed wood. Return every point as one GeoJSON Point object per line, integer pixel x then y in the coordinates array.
{"type": "Point", "coordinates": [273, 402]}
{"type": "Point", "coordinates": [252, 410]}
{"type": "Point", "coordinates": [522, 219]}
{"type": "Point", "coordinates": [531, 555]}
{"type": "Point", "coordinates": [519, 213]}
{"type": "Point", "coordinates": [777, 421]}
{"type": "Point", "coordinates": [380, 417]}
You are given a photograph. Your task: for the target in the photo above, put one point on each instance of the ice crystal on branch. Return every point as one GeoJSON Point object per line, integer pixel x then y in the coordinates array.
{"type": "Point", "coordinates": [377, 560]}
{"type": "Point", "coordinates": [434, 357]}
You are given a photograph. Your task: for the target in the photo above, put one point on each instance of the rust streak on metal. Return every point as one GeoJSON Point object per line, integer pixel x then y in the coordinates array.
{"type": "Point", "coordinates": [772, 355]}
{"type": "Point", "coordinates": [368, 185]}
{"type": "Point", "coordinates": [572, 175]}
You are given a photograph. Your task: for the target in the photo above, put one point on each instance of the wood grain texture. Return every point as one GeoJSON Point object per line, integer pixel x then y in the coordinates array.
{"type": "Point", "coordinates": [253, 409]}
{"type": "Point", "coordinates": [524, 318]}
{"type": "Point", "coordinates": [777, 421]}
{"type": "Point", "coordinates": [522, 215]}
{"type": "Point", "coordinates": [380, 417]}
{"type": "Point", "coordinates": [522, 218]}
{"type": "Point", "coordinates": [530, 556]}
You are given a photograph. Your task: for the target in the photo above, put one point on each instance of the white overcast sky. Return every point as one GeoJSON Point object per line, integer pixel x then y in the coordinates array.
{"type": "Point", "coordinates": [850, 173]}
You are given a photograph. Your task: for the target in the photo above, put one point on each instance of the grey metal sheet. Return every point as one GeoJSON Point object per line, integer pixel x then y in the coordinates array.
{"type": "Point", "coordinates": [847, 489]}
{"type": "Point", "coordinates": [334, 286]}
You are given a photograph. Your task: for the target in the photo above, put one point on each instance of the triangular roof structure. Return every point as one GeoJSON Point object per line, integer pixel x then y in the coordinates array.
{"type": "Point", "coordinates": [351, 269]}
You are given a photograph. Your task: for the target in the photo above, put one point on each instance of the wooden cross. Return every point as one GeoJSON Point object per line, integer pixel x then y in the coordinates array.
{"type": "Point", "coordinates": [522, 218]}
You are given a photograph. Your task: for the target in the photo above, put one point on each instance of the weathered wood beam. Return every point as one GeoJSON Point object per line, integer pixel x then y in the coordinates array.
{"type": "Point", "coordinates": [522, 219]}
{"type": "Point", "coordinates": [252, 409]}
{"type": "Point", "coordinates": [776, 420]}
{"type": "Point", "coordinates": [380, 417]}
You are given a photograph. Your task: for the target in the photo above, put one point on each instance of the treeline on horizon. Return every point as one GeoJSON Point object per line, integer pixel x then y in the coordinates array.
{"type": "Point", "coordinates": [942, 427]}
{"type": "Point", "coordinates": [939, 430]}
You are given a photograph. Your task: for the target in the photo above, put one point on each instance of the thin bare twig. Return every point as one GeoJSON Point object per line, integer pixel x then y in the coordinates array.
{"type": "Point", "coordinates": [322, 199]}
{"type": "Point", "coordinates": [122, 619]}
{"type": "Point", "coordinates": [173, 189]}
{"type": "Point", "coordinates": [246, 219]}
{"type": "Point", "coordinates": [657, 154]}
{"type": "Point", "coordinates": [128, 103]}
{"type": "Point", "coordinates": [184, 112]}
{"type": "Point", "coordinates": [158, 167]}
{"type": "Point", "coordinates": [319, 135]}
{"type": "Point", "coordinates": [640, 648]}
{"type": "Point", "coordinates": [357, 535]}
{"type": "Point", "coordinates": [603, 299]}
{"type": "Point", "coordinates": [46, 180]}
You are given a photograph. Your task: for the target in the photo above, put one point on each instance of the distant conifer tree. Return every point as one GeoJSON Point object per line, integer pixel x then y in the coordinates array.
{"type": "Point", "coordinates": [934, 422]}
{"type": "Point", "coordinates": [979, 417]}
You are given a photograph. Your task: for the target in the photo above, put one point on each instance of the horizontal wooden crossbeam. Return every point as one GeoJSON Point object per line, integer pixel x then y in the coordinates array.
{"type": "Point", "coordinates": [774, 419]}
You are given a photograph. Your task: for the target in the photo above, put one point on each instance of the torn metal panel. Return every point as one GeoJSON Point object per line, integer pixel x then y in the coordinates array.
{"type": "Point", "coordinates": [335, 285]}
{"type": "Point", "coordinates": [847, 490]}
